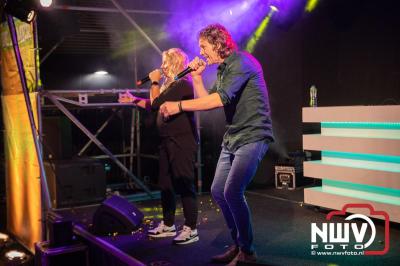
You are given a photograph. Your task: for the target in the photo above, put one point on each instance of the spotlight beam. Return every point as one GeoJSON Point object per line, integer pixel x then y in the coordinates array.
{"type": "Point", "coordinates": [260, 30]}
{"type": "Point", "coordinates": [138, 28]}
{"type": "Point", "coordinates": [311, 5]}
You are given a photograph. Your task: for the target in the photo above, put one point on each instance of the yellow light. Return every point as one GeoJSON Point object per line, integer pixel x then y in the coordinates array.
{"type": "Point", "coordinates": [31, 16]}
{"type": "Point", "coordinates": [251, 44]}
{"type": "Point", "coordinates": [24, 214]}
{"type": "Point", "coordinates": [3, 237]}
{"type": "Point", "coordinates": [311, 5]}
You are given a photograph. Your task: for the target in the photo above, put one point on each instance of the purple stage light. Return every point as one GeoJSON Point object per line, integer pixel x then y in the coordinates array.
{"type": "Point", "coordinates": [238, 16]}
{"type": "Point", "coordinates": [244, 5]}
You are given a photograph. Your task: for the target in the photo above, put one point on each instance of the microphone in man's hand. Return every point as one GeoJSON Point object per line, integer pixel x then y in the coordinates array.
{"type": "Point", "coordinates": [183, 73]}
{"type": "Point", "coordinates": [142, 81]}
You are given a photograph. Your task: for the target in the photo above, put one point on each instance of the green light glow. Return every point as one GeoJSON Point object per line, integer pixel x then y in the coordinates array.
{"type": "Point", "coordinates": [361, 130]}
{"type": "Point", "coordinates": [361, 125]}
{"type": "Point", "coordinates": [362, 187]}
{"type": "Point", "coordinates": [130, 41]}
{"type": "Point", "coordinates": [387, 163]}
{"type": "Point", "coordinates": [311, 5]}
{"type": "Point", "coordinates": [361, 133]}
{"type": "Point", "coordinates": [251, 44]}
{"type": "Point", "coordinates": [149, 217]}
{"type": "Point", "coordinates": [368, 196]}
{"type": "Point", "coordinates": [147, 209]}
{"type": "Point", "coordinates": [386, 167]}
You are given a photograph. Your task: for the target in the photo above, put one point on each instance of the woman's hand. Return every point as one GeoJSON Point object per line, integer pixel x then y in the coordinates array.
{"type": "Point", "coordinates": [126, 97]}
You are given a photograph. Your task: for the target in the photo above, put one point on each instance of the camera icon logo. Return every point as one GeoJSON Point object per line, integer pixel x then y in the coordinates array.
{"type": "Point", "coordinates": [332, 236]}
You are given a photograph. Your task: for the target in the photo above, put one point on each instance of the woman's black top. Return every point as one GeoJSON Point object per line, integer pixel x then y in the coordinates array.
{"type": "Point", "coordinates": [182, 123]}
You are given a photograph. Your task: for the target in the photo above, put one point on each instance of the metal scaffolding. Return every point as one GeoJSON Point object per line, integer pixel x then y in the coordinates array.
{"type": "Point", "coordinates": [64, 99]}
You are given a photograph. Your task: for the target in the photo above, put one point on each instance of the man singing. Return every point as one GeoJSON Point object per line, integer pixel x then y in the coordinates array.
{"type": "Point", "coordinates": [241, 90]}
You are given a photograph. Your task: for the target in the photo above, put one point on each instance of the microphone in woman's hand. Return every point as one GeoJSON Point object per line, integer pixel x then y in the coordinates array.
{"type": "Point", "coordinates": [146, 79]}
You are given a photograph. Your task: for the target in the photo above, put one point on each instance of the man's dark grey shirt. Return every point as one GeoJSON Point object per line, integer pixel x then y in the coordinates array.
{"type": "Point", "coordinates": [241, 86]}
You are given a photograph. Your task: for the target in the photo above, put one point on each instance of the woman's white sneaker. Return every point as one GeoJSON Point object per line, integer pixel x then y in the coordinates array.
{"type": "Point", "coordinates": [162, 230]}
{"type": "Point", "coordinates": [186, 236]}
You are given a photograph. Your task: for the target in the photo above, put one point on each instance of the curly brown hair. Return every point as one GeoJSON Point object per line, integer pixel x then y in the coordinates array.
{"type": "Point", "coordinates": [220, 38]}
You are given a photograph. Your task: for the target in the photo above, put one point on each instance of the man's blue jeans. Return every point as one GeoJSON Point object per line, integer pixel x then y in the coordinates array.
{"type": "Point", "coordinates": [234, 172]}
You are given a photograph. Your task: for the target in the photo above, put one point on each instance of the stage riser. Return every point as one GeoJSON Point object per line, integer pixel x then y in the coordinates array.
{"type": "Point", "coordinates": [316, 196]}
{"type": "Point", "coordinates": [318, 169]}
{"type": "Point", "coordinates": [348, 144]}
{"type": "Point", "coordinates": [388, 113]}
{"type": "Point", "coordinates": [360, 157]}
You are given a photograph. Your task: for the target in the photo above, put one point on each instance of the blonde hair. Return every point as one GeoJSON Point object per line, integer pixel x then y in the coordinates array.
{"type": "Point", "coordinates": [177, 61]}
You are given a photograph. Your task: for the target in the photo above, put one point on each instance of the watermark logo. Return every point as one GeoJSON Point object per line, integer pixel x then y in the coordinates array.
{"type": "Point", "coordinates": [349, 237]}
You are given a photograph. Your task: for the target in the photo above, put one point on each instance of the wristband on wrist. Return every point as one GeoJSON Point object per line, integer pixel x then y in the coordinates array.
{"type": "Point", "coordinates": [180, 106]}
{"type": "Point", "coordinates": [155, 83]}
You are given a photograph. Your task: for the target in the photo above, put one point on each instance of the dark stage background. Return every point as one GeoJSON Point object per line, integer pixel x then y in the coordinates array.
{"type": "Point", "coordinates": [348, 49]}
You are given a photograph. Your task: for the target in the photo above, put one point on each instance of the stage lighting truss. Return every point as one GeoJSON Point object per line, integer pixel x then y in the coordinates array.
{"type": "Point", "coordinates": [24, 10]}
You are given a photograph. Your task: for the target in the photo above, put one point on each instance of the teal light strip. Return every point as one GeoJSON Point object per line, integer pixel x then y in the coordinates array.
{"type": "Point", "coordinates": [366, 165]}
{"type": "Point", "coordinates": [361, 133]}
{"type": "Point", "coordinates": [361, 125]}
{"type": "Point", "coordinates": [362, 187]}
{"type": "Point", "coordinates": [358, 195]}
{"type": "Point", "coordinates": [362, 156]}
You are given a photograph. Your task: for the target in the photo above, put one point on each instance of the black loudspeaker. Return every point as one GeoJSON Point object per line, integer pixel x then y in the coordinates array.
{"type": "Point", "coordinates": [57, 137]}
{"type": "Point", "coordinates": [59, 231]}
{"type": "Point", "coordinates": [76, 182]}
{"type": "Point", "coordinates": [116, 215]}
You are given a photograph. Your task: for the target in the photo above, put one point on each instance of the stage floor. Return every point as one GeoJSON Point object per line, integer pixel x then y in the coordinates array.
{"type": "Point", "coordinates": [282, 234]}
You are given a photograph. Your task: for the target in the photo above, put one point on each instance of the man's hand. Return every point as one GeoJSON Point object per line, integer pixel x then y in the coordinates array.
{"type": "Point", "coordinates": [126, 97]}
{"type": "Point", "coordinates": [198, 66]}
{"type": "Point", "coordinates": [168, 109]}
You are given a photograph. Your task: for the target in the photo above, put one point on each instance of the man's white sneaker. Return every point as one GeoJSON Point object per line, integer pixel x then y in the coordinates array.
{"type": "Point", "coordinates": [162, 230]}
{"type": "Point", "coordinates": [186, 236]}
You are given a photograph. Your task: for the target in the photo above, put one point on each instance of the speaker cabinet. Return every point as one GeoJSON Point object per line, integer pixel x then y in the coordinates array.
{"type": "Point", "coordinates": [59, 230]}
{"type": "Point", "coordinates": [76, 255]}
{"type": "Point", "coordinates": [75, 182]}
{"type": "Point", "coordinates": [116, 215]}
{"type": "Point", "coordinates": [57, 137]}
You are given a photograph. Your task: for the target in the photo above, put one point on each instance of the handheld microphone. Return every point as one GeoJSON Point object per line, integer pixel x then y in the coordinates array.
{"type": "Point", "coordinates": [146, 79]}
{"type": "Point", "coordinates": [183, 73]}
{"type": "Point", "coordinates": [142, 81]}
